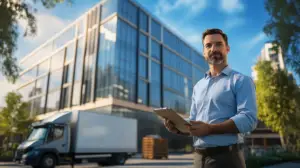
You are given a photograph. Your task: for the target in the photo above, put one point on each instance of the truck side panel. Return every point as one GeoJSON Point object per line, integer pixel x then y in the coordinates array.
{"type": "Point", "coordinates": [99, 133]}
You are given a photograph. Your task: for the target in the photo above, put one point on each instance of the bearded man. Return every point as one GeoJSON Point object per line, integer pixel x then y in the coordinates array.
{"type": "Point", "coordinates": [223, 108]}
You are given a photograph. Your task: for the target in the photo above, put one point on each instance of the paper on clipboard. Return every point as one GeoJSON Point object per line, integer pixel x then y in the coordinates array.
{"type": "Point", "coordinates": [170, 114]}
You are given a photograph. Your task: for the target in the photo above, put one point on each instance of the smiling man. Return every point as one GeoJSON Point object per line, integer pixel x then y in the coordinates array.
{"type": "Point", "coordinates": [223, 108]}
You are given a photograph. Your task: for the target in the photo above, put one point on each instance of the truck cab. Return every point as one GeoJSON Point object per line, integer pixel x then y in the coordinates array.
{"type": "Point", "coordinates": [45, 145]}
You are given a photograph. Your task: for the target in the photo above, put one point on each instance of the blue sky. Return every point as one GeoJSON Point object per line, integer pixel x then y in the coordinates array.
{"type": "Point", "coordinates": [242, 20]}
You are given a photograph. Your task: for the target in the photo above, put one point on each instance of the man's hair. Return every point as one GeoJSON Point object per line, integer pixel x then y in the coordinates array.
{"type": "Point", "coordinates": [215, 31]}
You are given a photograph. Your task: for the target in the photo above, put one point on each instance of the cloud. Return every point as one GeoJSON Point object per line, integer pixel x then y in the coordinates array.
{"type": "Point", "coordinates": [234, 22]}
{"type": "Point", "coordinates": [232, 6]}
{"type": "Point", "coordinates": [255, 40]}
{"type": "Point", "coordinates": [47, 26]}
{"type": "Point", "coordinates": [5, 88]}
{"type": "Point", "coordinates": [193, 6]}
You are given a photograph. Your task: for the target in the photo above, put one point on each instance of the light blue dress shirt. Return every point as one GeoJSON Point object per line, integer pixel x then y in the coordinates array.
{"type": "Point", "coordinates": [230, 95]}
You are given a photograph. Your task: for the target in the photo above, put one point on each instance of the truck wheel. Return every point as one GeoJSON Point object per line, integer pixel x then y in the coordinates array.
{"type": "Point", "coordinates": [120, 159]}
{"type": "Point", "coordinates": [48, 161]}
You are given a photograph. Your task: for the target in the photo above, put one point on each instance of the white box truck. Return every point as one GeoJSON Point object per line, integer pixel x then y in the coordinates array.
{"type": "Point", "coordinates": [71, 137]}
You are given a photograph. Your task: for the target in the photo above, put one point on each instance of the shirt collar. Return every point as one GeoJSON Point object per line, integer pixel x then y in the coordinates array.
{"type": "Point", "coordinates": [226, 71]}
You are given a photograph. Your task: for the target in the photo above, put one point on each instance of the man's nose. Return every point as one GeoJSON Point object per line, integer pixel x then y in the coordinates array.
{"type": "Point", "coordinates": [213, 48]}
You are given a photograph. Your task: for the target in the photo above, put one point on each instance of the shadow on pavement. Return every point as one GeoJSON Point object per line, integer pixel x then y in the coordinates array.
{"type": "Point", "coordinates": [161, 164]}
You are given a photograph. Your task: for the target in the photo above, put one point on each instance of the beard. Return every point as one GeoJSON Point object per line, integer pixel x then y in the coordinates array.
{"type": "Point", "coordinates": [215, 58]}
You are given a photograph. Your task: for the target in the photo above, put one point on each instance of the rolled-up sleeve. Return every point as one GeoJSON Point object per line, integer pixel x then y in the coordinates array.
{"type": "Point", "coordinates": [246, 117]}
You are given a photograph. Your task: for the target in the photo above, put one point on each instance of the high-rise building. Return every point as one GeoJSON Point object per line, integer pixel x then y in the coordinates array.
{"type": "Point", "coordinates": [269, 54]}
{"type": "Point", "coordinates": [117, 59]}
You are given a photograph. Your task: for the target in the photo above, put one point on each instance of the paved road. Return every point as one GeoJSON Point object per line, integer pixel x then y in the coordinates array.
{"type": "Point", "coordinates": [174, 161]}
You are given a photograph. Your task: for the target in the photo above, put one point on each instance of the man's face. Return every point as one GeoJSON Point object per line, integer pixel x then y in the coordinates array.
{"type": "Point", "coordinates": [215, 49]}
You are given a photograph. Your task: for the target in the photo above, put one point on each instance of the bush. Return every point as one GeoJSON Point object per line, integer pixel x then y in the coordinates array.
{"type": "Point", "coordinates": [270, 159]}
{"type": "Point", "coordinates": [7, 154]}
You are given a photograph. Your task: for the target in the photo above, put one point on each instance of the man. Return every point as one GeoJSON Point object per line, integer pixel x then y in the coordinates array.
{"type": "Point", "coordinates": [223, 107]}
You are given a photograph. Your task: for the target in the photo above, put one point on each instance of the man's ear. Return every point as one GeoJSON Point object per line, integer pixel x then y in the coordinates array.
{"type": "Point", "coordinates": [228, 48]}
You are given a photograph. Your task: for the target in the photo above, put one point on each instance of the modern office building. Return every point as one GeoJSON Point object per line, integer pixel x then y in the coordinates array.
{"type": "Point", "coordinates": [117, 59]}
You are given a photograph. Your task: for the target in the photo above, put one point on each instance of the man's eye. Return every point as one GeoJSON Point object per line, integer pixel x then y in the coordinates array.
{"type": "Point", "coordinates": [208, 46]}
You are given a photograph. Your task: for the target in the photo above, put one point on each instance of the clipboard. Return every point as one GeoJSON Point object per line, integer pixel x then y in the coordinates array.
{"type": "Point", "coordinates": [179, 122]}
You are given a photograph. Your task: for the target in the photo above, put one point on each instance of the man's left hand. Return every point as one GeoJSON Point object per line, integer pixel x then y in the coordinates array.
{"type": "Point", "coordinates": [199, 128]}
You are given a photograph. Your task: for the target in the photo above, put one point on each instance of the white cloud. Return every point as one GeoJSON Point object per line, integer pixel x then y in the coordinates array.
{"type": "Point", "coordinates": [193, 6]}
{"type": "Point", "coordinates": [232, 6]}
{"type": "Point", "coordinates": [256, 39]}
{"type": "Point", "coordinates": [234, 22]}
{"type": "Point", "coordinates": [47, 26]}
{"type": "Point", "coordinates": [5, 88]}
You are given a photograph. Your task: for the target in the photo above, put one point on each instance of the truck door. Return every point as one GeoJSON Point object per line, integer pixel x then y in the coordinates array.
{"type": "Point", "coordinates": [57, 139]}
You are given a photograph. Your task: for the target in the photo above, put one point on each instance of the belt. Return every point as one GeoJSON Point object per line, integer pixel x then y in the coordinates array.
{"type": "Point", "coordinates": [210, 151]}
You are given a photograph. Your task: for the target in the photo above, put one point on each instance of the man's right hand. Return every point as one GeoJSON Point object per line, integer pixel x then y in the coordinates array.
{"type": "Point", "coordinates": [170, 126]}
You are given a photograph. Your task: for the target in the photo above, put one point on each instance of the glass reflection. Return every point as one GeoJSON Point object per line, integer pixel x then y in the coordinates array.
{"type": "Point", "coordinates": [53, 101]}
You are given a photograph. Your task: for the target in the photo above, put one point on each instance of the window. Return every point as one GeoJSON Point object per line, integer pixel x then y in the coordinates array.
{"type": "Point", "coordinates": [128, 11]}
{"type": "Point", "coordinates": [43, 68]}
{"type": "Point", "coordinates": [65, 37]}
{"type": "Point", "coordinates": [53, 100]}
{"type": "Point", "coordinates": [56, 133]}
{"type": "Point", "coordinates": [41, 85]}
{"type": "Point", "coordinates": [81, 26]}
{"type": "Point", "coordinates": [143, 43]}
{"type": "Point", "coordinates": [66, 97]}
{"type": "Point", "coordinates": [199, 60]}
{"type": "Point", "coordinates": [143, 21]}
{"type": "Point", "coordinates": [155, 50]}
{"type": "Point", "coordinates": [27, 76]}
{"type": "Point", "coordinates": [70, 52]}
{"type": "Point", "coordinates": [79, 59]}
{"type": "Point", "coordinates": [125, 63]}
{"type": "Point", "coordinates": [143, 67]}
{"type": "Point", "coordinates": [76, 94]}
{"type": "Point", "coordinates": [106, 56]}
{"type": "Point", "coordinates": [38, 105]}
{"type": "Point", "coordinates": [155, 30]}
{"type": "Point", "coordinates": [197, 75]}
{"type": "Point", "coordinates": [175, 101]}
{"type": "Point", "coordinates": [108, 8]}
{"type": "Point", "coordinates": [68, 69]}
{"type": "Point", "coordinates": [155, 89]}
{"type": "Point", "coordinates": [55, 79]}
{"type": "Point", "coordinates": [143, 92]}
{"type": "Point", "coordinates": [27, 91]}
{"type": "Point", "coordinates": [57, 60]}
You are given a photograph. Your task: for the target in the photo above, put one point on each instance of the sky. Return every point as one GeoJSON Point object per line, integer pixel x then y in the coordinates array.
{"type": "Point", "coordinates": [241, 20]}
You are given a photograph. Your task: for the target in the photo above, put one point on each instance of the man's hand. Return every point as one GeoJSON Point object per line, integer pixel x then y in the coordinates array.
{"type": "Point", "coordinates": [170, 126]}
{"type": "Point", "coordinates": [199, 128]}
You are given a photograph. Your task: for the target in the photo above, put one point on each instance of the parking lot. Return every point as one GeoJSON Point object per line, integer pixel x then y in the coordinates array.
{"type": "Point", "coordinates": [174, 161]}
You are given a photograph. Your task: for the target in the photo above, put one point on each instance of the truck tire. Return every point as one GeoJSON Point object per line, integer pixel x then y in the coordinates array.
{"type": "Point", "coordinates": [120, 159]}
{"type": "Point", "coordinates": [48, 161]}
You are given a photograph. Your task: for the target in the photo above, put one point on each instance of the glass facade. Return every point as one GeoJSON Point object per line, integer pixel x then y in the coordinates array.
{"type": "Point", "coordinates": [130, 56]}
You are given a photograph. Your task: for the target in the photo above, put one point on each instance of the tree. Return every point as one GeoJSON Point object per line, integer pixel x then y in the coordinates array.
{"type": "Point", "coordinates": [278, 102]}
{"type": "Point", "coordinates": [285, 28]}
{"type": "Point", "coordinates": [11, 12]}
{"type": "Point", "coordinates": [14, 118]}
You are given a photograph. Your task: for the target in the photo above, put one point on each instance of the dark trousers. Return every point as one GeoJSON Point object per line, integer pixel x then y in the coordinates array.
{"type": "Point", "coordinates": [230, 159]}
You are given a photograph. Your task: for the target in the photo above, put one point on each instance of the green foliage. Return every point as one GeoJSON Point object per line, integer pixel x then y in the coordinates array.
{"type": "Point", "coordinates": [284, 26]}
{"type": "Point", "coordinates": [278, 101]}
{"type": "Point", "coordinates": [271, 159]}
{"type": "Point", "coordinates": [11, 13]}
{"type": "Point", "coordinates": [14, 118]}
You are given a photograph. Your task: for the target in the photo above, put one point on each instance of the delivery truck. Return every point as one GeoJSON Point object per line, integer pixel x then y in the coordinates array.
{"type": "Point", "coordinates": [76, 136]}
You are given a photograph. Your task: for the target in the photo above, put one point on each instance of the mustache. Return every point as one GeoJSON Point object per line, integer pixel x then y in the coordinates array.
{"type": "Point", "coordinates": [216, 52]}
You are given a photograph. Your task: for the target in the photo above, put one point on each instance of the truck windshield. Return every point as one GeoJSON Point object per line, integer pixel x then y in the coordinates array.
{"type": "Point", "coordinates": [37, 134]}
